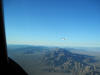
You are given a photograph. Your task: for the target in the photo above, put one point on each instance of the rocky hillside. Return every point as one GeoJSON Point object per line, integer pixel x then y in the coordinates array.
{"type": "Point", "coordinates": [61, 60]}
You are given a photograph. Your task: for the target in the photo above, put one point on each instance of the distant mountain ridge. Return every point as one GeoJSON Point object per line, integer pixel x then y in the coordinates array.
{"type": "Point", "coordinates": [55, 60]}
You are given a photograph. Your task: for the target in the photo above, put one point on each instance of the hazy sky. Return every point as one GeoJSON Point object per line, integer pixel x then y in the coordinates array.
{"type": "Point", "coordinates": [46, 22]}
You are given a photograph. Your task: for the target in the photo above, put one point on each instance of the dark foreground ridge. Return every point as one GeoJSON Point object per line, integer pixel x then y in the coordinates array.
{"type": "Point", "coordinates": [12, 68]}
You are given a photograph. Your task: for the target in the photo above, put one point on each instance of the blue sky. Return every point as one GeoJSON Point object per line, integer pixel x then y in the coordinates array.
{"type": "Point", "coordinates": [45, 22]}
